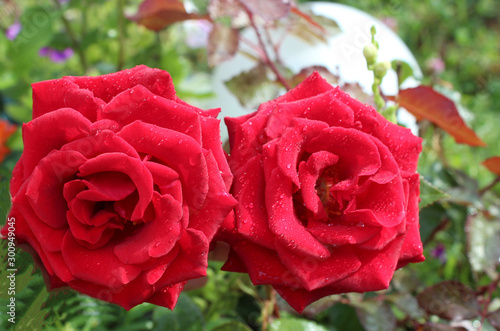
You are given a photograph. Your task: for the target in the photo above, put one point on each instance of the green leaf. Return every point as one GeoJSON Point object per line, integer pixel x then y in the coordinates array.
{"type": "Point", "coordinates": [229, 325]}
{"type": "Point", "coordinates": [253, 87]}
{"type": "Point", "coordinates": [30, 293]}
{"type": "Point", "coordinates": [376, 316]}
{"type": "Point", "coordinates": [402, 69]}
{"type": "Point", "coordinates": [429, 193]}
{"type": "Point", "coordinates": [295, 324]}
{"type": "Point", "coordinates": [186, 316]}
{"type": "Point", "coordinates": [407, 303]}
{"type": "Point", "coordinates": [340, 317]}
{"type": "Point", "coordinates": [36, 33]}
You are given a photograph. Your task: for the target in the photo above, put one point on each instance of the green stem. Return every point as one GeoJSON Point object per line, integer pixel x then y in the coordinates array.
{"type": "Point", "coordinates": [121, 35]}
{"type": "Point", "coordinates": [72, 36]}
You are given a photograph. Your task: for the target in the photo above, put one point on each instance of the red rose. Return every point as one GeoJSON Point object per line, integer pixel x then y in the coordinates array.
{"type": "Point", "coordinates": [121, 186]}
{"type": "Point", "coordinates": [328, 195]}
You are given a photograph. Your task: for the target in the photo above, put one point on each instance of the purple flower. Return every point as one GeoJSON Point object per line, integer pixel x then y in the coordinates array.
{"type": "Point", "coordinates": [13, 31]}
{"type": "Point", "coordinates": [439, 252]}
{"type": "Point", "coordinates": [55, 55]}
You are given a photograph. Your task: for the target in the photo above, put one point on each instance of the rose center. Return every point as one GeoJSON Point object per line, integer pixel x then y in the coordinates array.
{"type": "Point", "coordinates": [333, 200]}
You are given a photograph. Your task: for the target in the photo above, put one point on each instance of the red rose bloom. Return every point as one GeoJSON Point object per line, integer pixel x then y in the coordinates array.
{"type": "Point", "coordinates": [121, 186]}
{"type": "Point", "coordinates": [328, 195]}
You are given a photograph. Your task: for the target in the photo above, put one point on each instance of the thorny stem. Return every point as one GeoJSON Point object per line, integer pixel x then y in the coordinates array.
{"type": "Point", "coordinates": [275, 46]}
{"type": "Point", "coordinates": [121, 35]}
{"type": "Point", "coordinates": [267, 59]}
{"type": "Point", "coordinates": [489, 295]}
{"type": "Point", "coordinates": [74, 41]}
{"type": "Point", "coordinates": [252, 45]}
{"type": "Point", "coordinates": [489, 186]}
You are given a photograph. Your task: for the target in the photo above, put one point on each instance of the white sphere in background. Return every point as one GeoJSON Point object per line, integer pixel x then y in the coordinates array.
{"type": "Point", "coordinates": [343, 55]}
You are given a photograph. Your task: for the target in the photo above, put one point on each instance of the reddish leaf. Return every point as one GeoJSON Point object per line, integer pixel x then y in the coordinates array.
{"type": "Point", "coordinates": [269, 10]}
{"type": "Point", "coordinates": [222, 44]}
{"type": "Point", "coordinates": [494, 319]}
{"type": "Point", "coordinates": [493, 164]}
{"type": "Point", "coordinates": [425, 103]}
{"type": "Point", "coordinates": [6, 130]}
{"type": "Point", "coordinates": [158, 14]}
{"type": "Point", "coordinates": [253, 86]}
{"type": "Point", "coordinates": [450, 300]}
{"type": "Point", "coordinates": [229, 8]}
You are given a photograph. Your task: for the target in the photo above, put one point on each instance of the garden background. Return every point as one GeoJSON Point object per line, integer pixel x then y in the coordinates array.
{"type": "Point", "coordinates": [456, 43]}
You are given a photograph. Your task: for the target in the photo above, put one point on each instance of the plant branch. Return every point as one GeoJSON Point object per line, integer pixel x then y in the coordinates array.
{"type": "Point", "coordinates": [489, 289]}
{"type": "Point", "coordinates": [72, 36]}
{"type": "Point", "coordinates": [489, 186]}
{"type": "Point", "coordinates": [252, 45]}
{"type": "Point", "coordinates": [267, 59]}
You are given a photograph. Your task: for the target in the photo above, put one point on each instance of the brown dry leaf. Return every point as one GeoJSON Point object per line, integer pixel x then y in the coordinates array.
{"type": "Point", "coordinates": [222, 44]}
{"type": "Point", "coordinates": [158, 14]}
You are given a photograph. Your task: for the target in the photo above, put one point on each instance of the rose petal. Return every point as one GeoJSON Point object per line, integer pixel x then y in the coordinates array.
{"type": "Point", "coordinates": [40, 137]}
{"type": "Point", "coordinates": [315, 273]}
{"type": "Point", "coordinates": [412, 250]}
{"type": "Point", "coordinates": [46, 244]}
{"type": "Point", "coordinates": [350, 229]}
{"type": "Point", "coordinates": [404, 145]}
{"type": "Point", "coordinates": [99, 266]}
{"type": "Point", "coordinates": [52, 95]}
{"type": "Point", "coordinates": [127, 296]}
{"type": "Point", "coordinates": [191, 261]}
{"type": "Point", "coordinates": [17, 179]}
{"type": "Point", "coordinates": [358, 154]}
{"type": "Point", "coordinates": [107, 186]}
{"type": "Point", "coordinates": [375, 274]}
{"type": "Point", "coordinates": [283, 222]}
{"type": "Point", "coordinates": [138, 103]}
{"type": "Point", "coordinates": [106, 87]}
{"type": "Point", "coordinates": [168, 296]}
{"type": "Point", "coordinates": [100, 143]}
{"type": "Point", "coordinates": [309, 173]}
{"type": "Point", "coordinates": [166, 179]}
{"type": "Point", "coordinates": [45, 186]}
{"type": "Point", "coordinates": [291, 145]}
{"type": "Point", "coordinates": [210, 128]}
{"type": "Point", "coordinates": [189, 162]}
{"type": "Point", "coordinates": [94, 234]}
{"type": "Point", "coordinates": [234, 263]}
{"type": "Point", "coordinates": [251, 215]}
{"type": "Point", "coordinates": [217, 205]}
{"type": "Point", "coordinates": [386, 201]}
{"type": "Point", "coordinates": [263, 265]}
{"type": "Point", "coordinates": [132, 167]}
{"type": "Point", "coordinates": [310, 87]}
{"type": "Point", "coordinates": [156, 238]}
